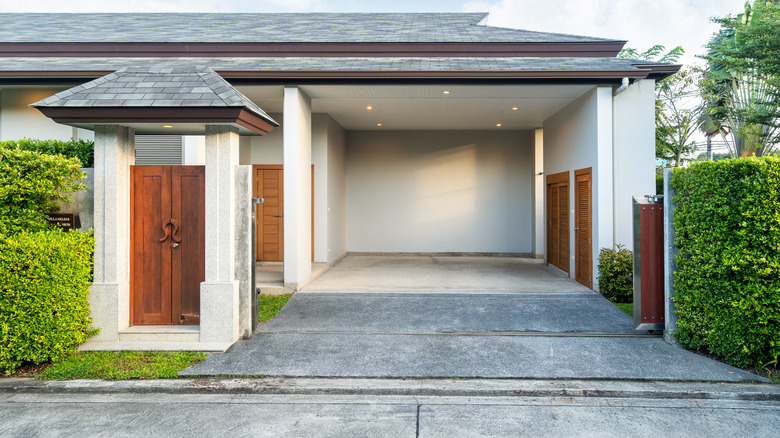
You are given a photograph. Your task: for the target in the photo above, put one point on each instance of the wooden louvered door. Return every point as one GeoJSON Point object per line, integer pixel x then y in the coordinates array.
{"type": "Point", "coordinates": [167, 234]}
{"type": "Point", "coordinates": [583, 247]}
{"type": "Point", "coordinates": [558, 220]}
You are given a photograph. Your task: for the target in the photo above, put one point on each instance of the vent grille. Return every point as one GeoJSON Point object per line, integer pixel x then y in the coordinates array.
{"type": "Point", "coordinates": [158, 150]}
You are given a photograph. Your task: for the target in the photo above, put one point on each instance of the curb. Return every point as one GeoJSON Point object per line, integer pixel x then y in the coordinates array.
{"type": "Point", "coordinates": [404, 387]}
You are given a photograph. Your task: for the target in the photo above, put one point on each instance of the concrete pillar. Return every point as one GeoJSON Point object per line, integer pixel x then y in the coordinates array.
{"type": "Point", "coordinates": [219, 293]}
{"type": "Point", "coordinates": [539, 227]}
{"type": "Point", "coordinates": [670, 257]}
{"type": "Point", "coordinates": [109, 297]}
{"type": "Point", "coordinates": [243, 243]}
{"type": "Point", "coordinates": [297, 188]}
{"type": "Point", "coordinates": [602, 180]}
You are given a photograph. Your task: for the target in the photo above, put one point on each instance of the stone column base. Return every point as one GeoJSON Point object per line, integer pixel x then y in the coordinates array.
{"type": "Point", "coordinates": [219, 311]}
{"type": "Point", "coordinates": [104, 310]}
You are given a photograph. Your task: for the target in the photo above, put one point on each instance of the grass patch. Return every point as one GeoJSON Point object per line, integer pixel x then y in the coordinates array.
{"type": "Point", "coordinates": [270, 305]}
{"type": "Point", "coordinates": [626, 307]}
{"type": "Point", "coordinates": [122, 365]}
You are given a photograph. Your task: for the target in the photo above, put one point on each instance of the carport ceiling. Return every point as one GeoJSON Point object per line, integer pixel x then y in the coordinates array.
{"type": "Point", "coordinates": [427, 107]}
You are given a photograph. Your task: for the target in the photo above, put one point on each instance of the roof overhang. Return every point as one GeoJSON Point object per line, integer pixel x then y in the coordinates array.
{"type": "Point", "coordinates": [160, 120]}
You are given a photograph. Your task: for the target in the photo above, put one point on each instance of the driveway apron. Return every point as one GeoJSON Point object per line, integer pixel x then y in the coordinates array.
{"type": "Point", "coordinates": [559, 331]}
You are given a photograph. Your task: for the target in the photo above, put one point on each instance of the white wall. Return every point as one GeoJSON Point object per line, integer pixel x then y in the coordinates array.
{"type": "Point", "coordinates": [337, 191]}
{"type": "Point", "coordinates": [439, 191]}
{"type": "Point", "coordinates": [267, 149]}
{"type": "Point", "coordinates": [18, 119]}
{"type": "Point", "coordinates": [577, 137]}
{"type": "Point", "coordinates": [634, 153]}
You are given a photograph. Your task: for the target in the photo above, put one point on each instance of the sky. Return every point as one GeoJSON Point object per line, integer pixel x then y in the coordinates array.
{"type": "Point", "coordinates": [643, 23]}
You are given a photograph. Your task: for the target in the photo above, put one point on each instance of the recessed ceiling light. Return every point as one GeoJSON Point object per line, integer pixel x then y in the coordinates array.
{"type": "Point", "coordinates": [378, 124]}
{"type": "Point", "coordinates": [167, 126]}
{"type": "Point", "coordinates": [514, 108]}
{"type": "Point", "coordinates": [498, 125]}
{"type": "Point", "coordinates": [445, 92]}
{"type": "Point", "coordinates": [369, 108]}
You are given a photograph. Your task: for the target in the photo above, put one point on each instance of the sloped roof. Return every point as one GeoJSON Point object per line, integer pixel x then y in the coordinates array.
{"type": "Point", "coordinates": [268, 28]}
{"type": "Point", "coordinates": [201, 95]}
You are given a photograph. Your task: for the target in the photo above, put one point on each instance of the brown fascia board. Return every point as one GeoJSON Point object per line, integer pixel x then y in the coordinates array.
{"type": "Point", "coordinates": [660, 71]}
{"type": "Point", "coordinates": [247, 76]}
{"type": "Point", "coordinates": [604, 49]}
{"type": "Point", "coordinates": [99, 115]}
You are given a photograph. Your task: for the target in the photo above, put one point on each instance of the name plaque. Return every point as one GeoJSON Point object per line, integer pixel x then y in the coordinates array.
{"type": "Point", "coordinates": [66, 221]}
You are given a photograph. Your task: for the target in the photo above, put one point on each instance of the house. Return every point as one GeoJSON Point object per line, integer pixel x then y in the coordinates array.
{"type": "Point", "coordinates": [402, 133]}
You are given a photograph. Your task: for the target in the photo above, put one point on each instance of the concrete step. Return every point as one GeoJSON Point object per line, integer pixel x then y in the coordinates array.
{"type": "Point", "coordinates": [160, 333]}
{"type": "Point", "coordinates": [274, 289]}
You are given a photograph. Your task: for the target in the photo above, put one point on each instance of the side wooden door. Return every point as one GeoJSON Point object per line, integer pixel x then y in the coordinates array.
{"type": "Point", "coordinates": [583, 246]}
{"type": "Point", "coordinates": [558, 220]}
{"type": "Point", "coordinates": [269, 185]}
{"type": "Point", "coordinates": [167, 234]}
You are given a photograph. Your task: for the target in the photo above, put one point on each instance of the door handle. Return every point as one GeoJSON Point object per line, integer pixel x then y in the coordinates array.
{"type": "Point", "coordinates": [175, 236]}
{"type": "Point", "coordinates": [278, 215]}
{"type": "Point", "coordinates": [576, 229]}
{"type": "Point", "coordinates": [166, 230]}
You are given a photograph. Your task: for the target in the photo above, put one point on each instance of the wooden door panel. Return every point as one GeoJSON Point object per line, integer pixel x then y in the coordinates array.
{"type": "Point", "coordinates": [189, 261]}
{"type": "Point", "coordinates": [270, 223]}
{"type": "Point", "coordinates": [583, 262]}
{"type": "Point", "coordinates": [558, 220]}
{"type": "Point", "coordinates": [151, 258]}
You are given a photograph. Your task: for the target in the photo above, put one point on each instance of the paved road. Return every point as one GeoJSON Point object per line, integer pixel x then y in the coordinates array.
{"type": "Point", "coordinates": [258, 415]}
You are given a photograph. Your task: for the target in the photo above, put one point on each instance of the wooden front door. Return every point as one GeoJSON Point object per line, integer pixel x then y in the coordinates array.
{"type": "Point", "coordinates": [583, 248]}
{"type": "Point", "coordinates": [269, 185]}
{"type": "Point", "coordinates": [167, 235]}
{"type": "Point", "coordinates": [558, 220]}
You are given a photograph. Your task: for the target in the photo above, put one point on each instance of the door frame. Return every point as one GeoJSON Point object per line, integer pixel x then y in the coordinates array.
{"type": "Point", "coordinates": [556, 178]}
{"type": "Point", "coordinates": [255, 168]}
{"type": "Point", "coordinates": [583, 268]}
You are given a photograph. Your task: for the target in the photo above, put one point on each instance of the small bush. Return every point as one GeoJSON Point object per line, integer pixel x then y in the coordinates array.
{"type": "Point", "coordinates": [44, 280]}
{"type": "Point", "coordinates": [727, 282]}
{"type": "Point", "coordinates": [32, 184]}
{"type": "Point", "coordinates": [84, 150]}
{"type": "Point", "coordinates": [616, 270]}
{"type": "Point", "coordinates": [659, 182]}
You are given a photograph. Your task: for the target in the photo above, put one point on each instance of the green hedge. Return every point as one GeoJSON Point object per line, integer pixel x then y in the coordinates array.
{"type": "Point", "coordinates": [616, 270]}
{"type": "Point", "coordinates": [32, 184]}
{"type": "Point", "coordinates": [727, 284]}
{"type": "Point", "coordinates": [44, 279]}
{"type": "Point", "coordinates": [84, 150]}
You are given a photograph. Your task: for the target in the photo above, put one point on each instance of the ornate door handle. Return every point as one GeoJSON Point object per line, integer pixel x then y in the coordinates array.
{"type": "Point", "coordinates": [166, 230]}
{"type": "Point", "coordinates": [175, 236]}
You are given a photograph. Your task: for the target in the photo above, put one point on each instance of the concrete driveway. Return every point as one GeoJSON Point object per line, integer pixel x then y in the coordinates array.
{"type": "Point", "coordinates": [539, 325]}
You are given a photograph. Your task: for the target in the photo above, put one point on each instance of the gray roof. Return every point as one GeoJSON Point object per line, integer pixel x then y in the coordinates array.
{"type": "Point", "coordinates": [264, 28]}
{"type": "Point", "coordinates": [302, 64]}
{"type": "Point", "coordinates": [155, 87]}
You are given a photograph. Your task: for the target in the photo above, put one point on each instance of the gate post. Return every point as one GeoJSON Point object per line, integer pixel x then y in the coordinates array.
{"type": "Point", "coordinates": [670, 254]}
{"type": "Point", "coordinates": [109, 296]}
{"type": "Point", "coordinates": [219, 293]}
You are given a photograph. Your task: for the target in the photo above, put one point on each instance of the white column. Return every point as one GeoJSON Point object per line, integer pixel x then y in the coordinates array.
{"type": "Point", "coordinates": [109, 297]}
{"type": "Point", "coordinates": [540, 229]}
{"type": "Point", "coordinates": [297, 188]}
{"type": "Point", "coordinates": [219, 294]}
{"type": "Point", "coordinates": [603, 194]}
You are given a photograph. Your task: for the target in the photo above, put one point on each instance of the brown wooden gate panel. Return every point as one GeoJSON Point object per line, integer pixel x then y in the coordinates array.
{"type": "Point", "coordinates": [269, 185]}
{"type": "Point", "coordinates": [167, 232]}
{"type": "Point", "coordinates": [558, 220]}
{"type": "Point", "coordinates": [583, 249]}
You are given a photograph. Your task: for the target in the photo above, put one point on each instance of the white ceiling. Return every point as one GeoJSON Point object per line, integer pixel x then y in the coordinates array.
{"type": "Point", "coordinates": [417, 107]}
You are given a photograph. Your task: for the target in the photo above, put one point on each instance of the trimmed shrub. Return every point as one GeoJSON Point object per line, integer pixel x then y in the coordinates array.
{"type": "Point", "coordinates": [32, 184]}
{"type": "Point", "coordinates": [44, 280]}
{"type": "Point", "coordinates": [84, 150]}
{"type": "Point", "coordinates": [727, 283]}
{"type": "Point", "coordinates": [659, 182]}
{"type": "Point", "coordinates": [616, 274]}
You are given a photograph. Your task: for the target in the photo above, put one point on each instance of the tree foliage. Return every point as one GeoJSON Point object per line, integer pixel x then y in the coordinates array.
{"type": "Point", "coordinates": [742, 81]}
{"type": "Point", "coordinates": [676, 111]}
